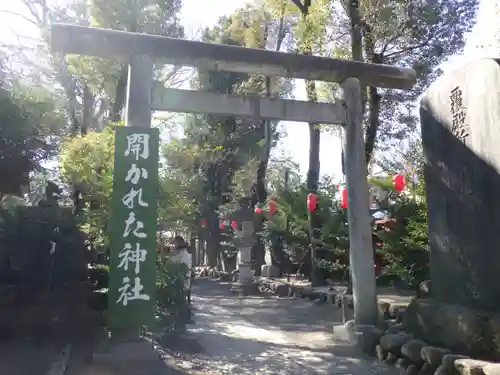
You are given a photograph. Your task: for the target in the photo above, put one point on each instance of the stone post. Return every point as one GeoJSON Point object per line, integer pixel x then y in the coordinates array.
{"type": "Point", "coordinates": [360, 234]}
{"type": "Point", "coordinates": [244, 240]}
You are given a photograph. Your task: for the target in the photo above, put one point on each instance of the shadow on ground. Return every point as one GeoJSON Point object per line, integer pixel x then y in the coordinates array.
{"type": "Point", "coordinates": [267, 335]}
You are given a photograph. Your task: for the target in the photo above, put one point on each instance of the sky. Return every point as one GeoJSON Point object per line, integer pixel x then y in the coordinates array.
{"type": "Point", "coordinates": [197, 14]}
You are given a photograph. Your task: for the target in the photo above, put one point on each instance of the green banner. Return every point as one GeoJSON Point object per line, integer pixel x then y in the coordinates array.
{"type": "Point", "coordinates": [132, 284]}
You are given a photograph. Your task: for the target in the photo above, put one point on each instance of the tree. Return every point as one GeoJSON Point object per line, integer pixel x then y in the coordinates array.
{"type": "Point", "coordinates": [226, 151]}
{"type": "Point", "coordinates": [181, 188]}
{"type": "Point", "coordinates": [405, 248]}
{"type": "Point", "coordinates": [94, 87]}
{"type": "Point", "coordinates": [287, 233]}
{"type": "Point", "coordinates": [420, 35]}
{"type": "Point", "coordinates": [309, 34]}
{"type": "Point", "coordinates": [29, 121]}
{"type": "Point", "coordinates": [87, 162]}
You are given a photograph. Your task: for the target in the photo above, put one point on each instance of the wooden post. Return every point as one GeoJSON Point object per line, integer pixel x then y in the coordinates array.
{"type": "Point", "coordinates": [360, 250]}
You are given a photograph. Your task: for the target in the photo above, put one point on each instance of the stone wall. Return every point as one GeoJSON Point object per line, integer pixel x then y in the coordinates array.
{"type": "Point", "coordinates": [463, 330]}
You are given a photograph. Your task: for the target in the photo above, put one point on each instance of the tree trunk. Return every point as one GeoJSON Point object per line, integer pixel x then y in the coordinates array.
{"type": "Point", "coordinates": [212, 250]}
{"type": "Point", "coordinates": [88, 102]}
{"type": "Point", "coordinates": [373, 97]}
{"type": "Point", "coordinates": [312, 184]}
{"type": "Point", "coordinates": [305, 46]}
{"type": "Point", "coordinates": [120, 95]}
{"type": "Point", "coordinates": [373, 123]}
{"type": "Point", "coordinates": [260, 191]}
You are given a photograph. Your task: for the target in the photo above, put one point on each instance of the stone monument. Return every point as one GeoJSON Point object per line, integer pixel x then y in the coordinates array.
{"type": "Point", "coordinates": [460, 121]}
{"type": "Point", "coordinates": [243, 239]}
{"type": "Point", "coordinates": [269, 269]}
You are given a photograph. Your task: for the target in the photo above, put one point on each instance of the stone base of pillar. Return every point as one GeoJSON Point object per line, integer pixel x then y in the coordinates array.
{"type": "Point", "coordinates": [365, 337]}
{"type": "Point", "coordinates": [245, 285]}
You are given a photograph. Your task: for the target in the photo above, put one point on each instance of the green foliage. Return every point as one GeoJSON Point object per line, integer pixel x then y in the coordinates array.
{"type": "Point", "coordinates": [172, 308]}
{"type": "Point", "coordinates": [29, 121]}
{"type": "Point", "coordinates": [421, 35]}
{"type": "Point", "coordinates": [99, 276]}
{"type": "Point", "coordinates": [406, 245]}
{"type": "Point", "coordinates": [87, 163]}
{"type": "Point", "coordinates": [290, 227]}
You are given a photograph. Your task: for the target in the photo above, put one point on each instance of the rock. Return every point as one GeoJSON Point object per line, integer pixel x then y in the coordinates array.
{"type": "Point", "coordinates": [400, 315]}
{"type": "Point", "coordinates": [433, 355]}
{"type": "Point", "coordinates": [381, 353]}
{"type": "Point", "coordinates": [441, 370]}
{"type": "Point", "coordinates": [383, 325]}
{"type": "Point", "coordinates": [427, 369]}
{"type": "Point", "coordinates": [367, 337]}
{"type": "Point", "coordinates": [394, 341]}
{"type": "Point", "coordinates": [391, 359]}
{"type": "Point", "coordinates": [492, 369]}
{"type": "Point", "coordinates": [454, 326]}
{"type": "Point", "coordinates": [412, 370]}
{"type": "Point", "coordinates": [412, 350]}
{"type": "Point", "coordinates": [383, 309]}
{"type": "Point", "coordinates": [395, 327]}
{"type": "Point", "coordinates": [470, 366]}
{"type": "Point", "coordinates": [396, 308]}
{"type": "Point", "coordinates": [448, 361]}
{"type": "Point", "coordinates": [402, 363]}
{"type": "Point", "coordinates": [281, 290]}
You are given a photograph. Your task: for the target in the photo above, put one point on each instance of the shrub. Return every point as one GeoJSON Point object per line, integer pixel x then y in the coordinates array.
{"type": "Point", "coordinates": [172, 309]}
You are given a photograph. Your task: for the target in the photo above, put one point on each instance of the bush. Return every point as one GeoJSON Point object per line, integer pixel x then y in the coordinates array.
{"type": "Point", "coordinates": [406, 246]}
{"type": "Point", "coordinates": [172, 309]}
{"type": "Point", "coordinates": [99, 276]}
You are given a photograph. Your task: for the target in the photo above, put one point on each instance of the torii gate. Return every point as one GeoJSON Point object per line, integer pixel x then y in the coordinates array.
{"type": "Point", "coordinates": [141, 51]}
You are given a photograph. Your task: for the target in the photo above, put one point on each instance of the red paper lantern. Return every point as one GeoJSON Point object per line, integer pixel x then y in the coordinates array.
{"type": "Point", "coordinates": [234, 224]}
{"type": "Point", "coordinates": [203, 221]}
{"type": "Point", "coordinates": [312, 202]}
{"type": "Point", "coordinates": [343, 198]}
{"type": "Point", "coordinates": [258, 210]}
{"type": "Point", "coordinates": [399, 182]}
{"type": "Point", "coordinates": [221, 224]}
{"type": "Point", "coordinates": [271, 207]}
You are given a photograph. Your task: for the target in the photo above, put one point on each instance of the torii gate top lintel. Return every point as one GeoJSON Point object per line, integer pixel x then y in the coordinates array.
{"type": "Point", "coordinates": [122, 45]}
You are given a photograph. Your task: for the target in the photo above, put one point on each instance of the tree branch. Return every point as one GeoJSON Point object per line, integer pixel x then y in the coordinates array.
{"type": "Point", "coordinates": [411, 48]}
{"type": "Point", "coordinates": [302, 7]}
{"type": "Point", "coordinates": [20, 16]}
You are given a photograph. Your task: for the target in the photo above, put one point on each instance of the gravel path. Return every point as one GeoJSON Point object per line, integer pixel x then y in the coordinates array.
{"type": "Point", "coordinates": [268, 335]}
